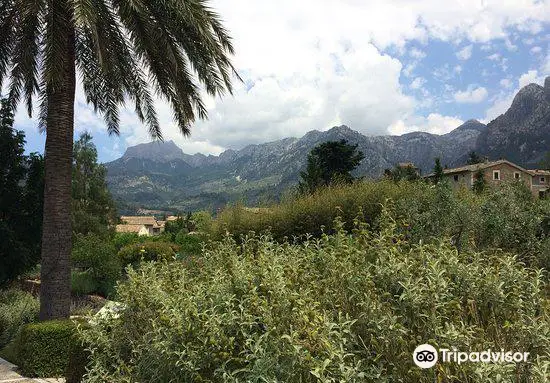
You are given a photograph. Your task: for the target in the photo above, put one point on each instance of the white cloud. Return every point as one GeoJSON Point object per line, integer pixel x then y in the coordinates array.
{"type": "Point", "coordinates": [336, 92]}
{"type": "Point", "coordinates": [409, 68]}
{"type": "Point", "coordinates": [535, 50]}
{"type": "Point", "coordinates": [494, 57]}
{"type": "Point", "coordinates": [531, 76]}
{"type": "Point", "coordinates": [505, 83]}
{"type": "Point", "coordinates": [546, 66]}
{"type": "Point", "coordinates": [509, 45]}
{"type": "Point", "coordinates": [417, 54]}
{"type": "Point", "coordinates": [316, 63]}
{"type": "Point", "coordinates": [465, 53]}
{"type": "Point", "coordinates": [471, 95]}
{"type": "Point", "coordinates": [417, 83]}
{"type": "Point", "coordinates": [435, 123]}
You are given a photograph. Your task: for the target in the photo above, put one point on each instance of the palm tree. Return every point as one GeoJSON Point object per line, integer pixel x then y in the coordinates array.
{"type": "Point", "coordinates": [124, 50]}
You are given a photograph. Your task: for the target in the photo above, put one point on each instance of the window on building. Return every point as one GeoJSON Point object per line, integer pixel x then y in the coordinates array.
{"type": "Point", "coordinates": [496, 175]}
{"type": "Point", "coordinates": [456, 178]}
{"type": "Point", "coordinates": [516, 175]}
{"type": "Point", "coordinates": [542, 180]}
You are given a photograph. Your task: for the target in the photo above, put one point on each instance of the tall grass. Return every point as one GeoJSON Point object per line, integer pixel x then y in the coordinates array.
{"type": "Point", "coordinates": [506, 217]}
{"type": "Point", "coordinates": [314, 214]}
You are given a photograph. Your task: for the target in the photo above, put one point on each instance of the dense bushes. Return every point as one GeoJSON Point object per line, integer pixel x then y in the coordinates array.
{"type": "Point", "coordinates": [341, 308]}
{"type": "Point", "coordinates": [16, 309]}
{"type": "Point", "coordinates": [44, 348]}
{"type": "Point", "coordinates": [505, 217]}
{"type": "Point", "coordinates": [314, 213]}
{"type": "Point", "coordinates": [190, 244]}
{"type": "Point", "coordinates": [83, 283]}
{"type": "Point", "coordinates": [97, 267]}
{"type": "Point", "coordinates": [146, 251]}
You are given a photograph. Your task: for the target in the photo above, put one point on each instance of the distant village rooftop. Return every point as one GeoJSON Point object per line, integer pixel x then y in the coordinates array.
{"type": "Point", "coordinates": [140, 220]}
{"type": "Point", "coordinates": [135, 229]}
{"type": "Point", "coordinates": [142, 225]}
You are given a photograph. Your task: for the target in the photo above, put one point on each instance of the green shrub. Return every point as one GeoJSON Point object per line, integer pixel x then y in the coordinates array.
{"type": "Point", "coordinates": [343, 308]}
{"type": "Point", "coordinates": [506, 217]}
{"type": "Point", "coordinates": [314, 214]}
{"type": "Point", "coordinates": [190, 244]}
{"type": "Point", "coordinates": [146, 251]}
{"type": "Point", "coordinates": [123, 239]}
{"type": "Point", "coordinates": [202, 220]}
{"type": "Point", "coordinates": [16, 309]}
{"type": "Point", "coordinates": [100, 268]}
{"type": "Point", "coordinates": [82, 283]}
{"type": "Point", "coordinates": [43, 349]}
{"type": "Point", "coordinates": [79, 357]}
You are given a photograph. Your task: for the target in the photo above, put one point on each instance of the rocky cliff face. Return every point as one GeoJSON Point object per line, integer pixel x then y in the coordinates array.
{"type": "Point", "coordinates": [522, 134]}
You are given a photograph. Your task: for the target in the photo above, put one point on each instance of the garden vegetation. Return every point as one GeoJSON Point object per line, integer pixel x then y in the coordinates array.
{"type": "Point", "coordinates": [345, 307]}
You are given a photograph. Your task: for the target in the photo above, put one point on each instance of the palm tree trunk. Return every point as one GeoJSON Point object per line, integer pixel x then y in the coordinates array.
{"type": "Point", "coordinates": [55, 273]}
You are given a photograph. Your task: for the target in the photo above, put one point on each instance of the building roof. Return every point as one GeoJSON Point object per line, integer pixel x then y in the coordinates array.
{"type": "Point", "coordinates": [171, 218]}
{"type": "Point", "coordinates": [539, 172]}
{"type": "Point", "coordinates": [129, 228]}
{"type": "Point", "coordinates": [139, 220]}
{"type": "Point", "coordinates": [479, 166]}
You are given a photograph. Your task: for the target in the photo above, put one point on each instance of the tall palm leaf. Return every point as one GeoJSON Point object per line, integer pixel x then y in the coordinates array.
{"type": "Point", "coordinates": [123, 50]}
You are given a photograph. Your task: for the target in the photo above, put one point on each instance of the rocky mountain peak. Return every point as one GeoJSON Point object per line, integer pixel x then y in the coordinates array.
{"type": "Point", "coordinates": [157, 151]}
{"type": "Point", "coordinates": [528, 99]}
{"type": "Point", "coordinates": [472, 125]}
{"type": "Point", "coordinates": [520, 134]}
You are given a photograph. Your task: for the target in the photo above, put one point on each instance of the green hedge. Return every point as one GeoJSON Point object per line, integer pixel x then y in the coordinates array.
{"type": "Point", "coordinates": [78, 359]}
{"type": "Point", "coordinates": [147, 251]}
{"type": "Point", "coordinates": [51, 349]}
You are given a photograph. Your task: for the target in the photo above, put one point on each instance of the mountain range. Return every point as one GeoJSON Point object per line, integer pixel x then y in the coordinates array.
{"type": "Point", "coordinates": [159, 175]}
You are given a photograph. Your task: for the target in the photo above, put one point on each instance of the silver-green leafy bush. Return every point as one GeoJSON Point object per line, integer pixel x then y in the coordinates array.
{"type": "Point", "coordinates": [341, 308]}
{"type": "Point", "coordinates": [16, 309]}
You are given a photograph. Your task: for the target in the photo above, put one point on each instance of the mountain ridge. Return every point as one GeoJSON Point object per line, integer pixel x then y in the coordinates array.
{"type": "Point", "coordinates": [166, 177]}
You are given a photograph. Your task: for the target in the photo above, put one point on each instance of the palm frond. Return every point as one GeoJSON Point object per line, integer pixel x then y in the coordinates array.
{"type": "Point", "coordinates": [7, 30]}
{"type": "Point", "coordinates": [175, 39]}
{"type": "Point", "coordinates": [59, 24]}
{"type": "Point", "coordinates": [24, 72]}
{"type": "Point", "coordinates": [110, 69]}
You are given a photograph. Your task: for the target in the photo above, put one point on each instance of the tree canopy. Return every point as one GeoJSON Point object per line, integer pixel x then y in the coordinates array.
{"type": "Point", "coordinates": [328, 163]}
{"type": "Point", "coordinates": [21, 185]}
{"type": "Point", "coordinates": [438, 171]}
{"type": "Point", "coordinates": [474, 158]}
{"type": "Point", "coordinates": [93, 208]}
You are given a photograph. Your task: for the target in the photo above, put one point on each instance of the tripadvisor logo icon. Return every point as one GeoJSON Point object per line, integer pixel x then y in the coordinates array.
{"type": "Point", "coordinates": [425, 356]}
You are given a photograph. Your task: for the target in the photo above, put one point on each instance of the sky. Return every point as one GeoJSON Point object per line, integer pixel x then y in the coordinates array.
{"type": "Point", "coordinates": [377, 66]}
